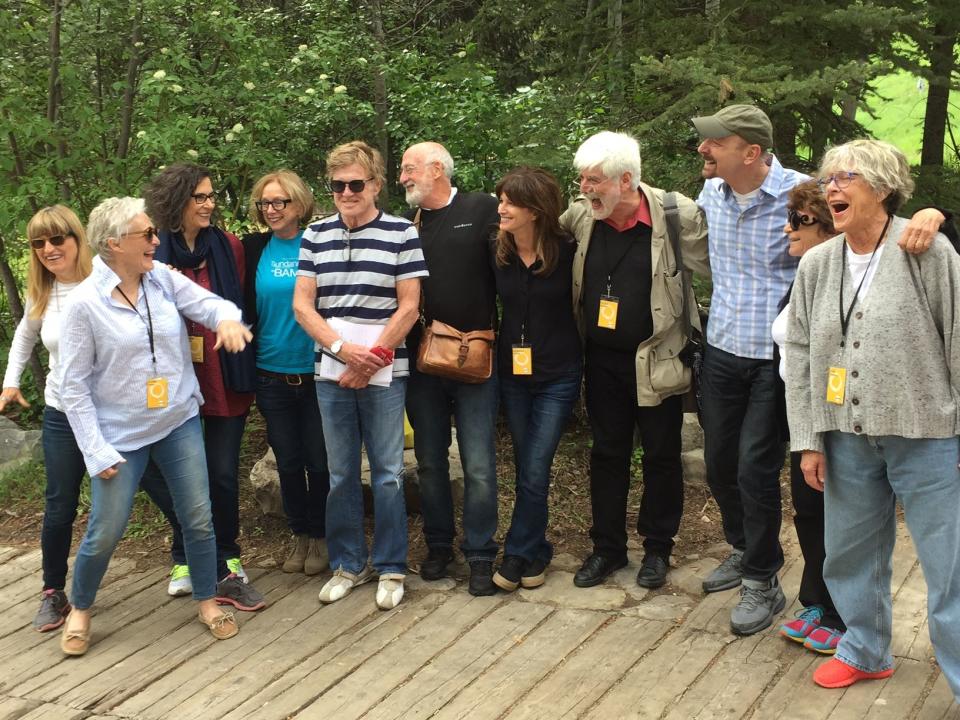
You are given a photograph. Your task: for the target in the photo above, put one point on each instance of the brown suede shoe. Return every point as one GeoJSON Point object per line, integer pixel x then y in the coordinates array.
{"type": "Point", "coordinates": [317, 559]}
{"type": "Point", "coordinates": [222, 626]}
{"type": "Point", "coordinates": [73, 641]}
{"type": "Point", "coordinates": [294, 563]}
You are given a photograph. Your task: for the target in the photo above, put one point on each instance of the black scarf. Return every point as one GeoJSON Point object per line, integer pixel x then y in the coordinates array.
{"type": "Point", "coordinates": [213, 245]}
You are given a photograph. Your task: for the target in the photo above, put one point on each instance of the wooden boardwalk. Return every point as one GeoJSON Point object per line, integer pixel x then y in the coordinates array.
{"type": "Point", "coordinates": [556, 652]}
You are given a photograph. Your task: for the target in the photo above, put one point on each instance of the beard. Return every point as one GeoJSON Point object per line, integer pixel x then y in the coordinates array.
{"type": "Point", "coordinates": [607, 204]}
{"type": "Point", "coordinates": [415, 194]}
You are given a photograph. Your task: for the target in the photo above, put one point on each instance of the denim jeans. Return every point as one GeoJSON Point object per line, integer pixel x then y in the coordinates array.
{"type": "Point", "coordinates": [865, 476]}
{"type": "Point", "coordinates": [744, 454]}
{"type": "Point", "coordinates": [373, 416]}
{"type": "Point", "coordinates": [180, 458]}
{"type": "Point", "coordinates": [295, 432]}
{"type": "Point", "coordinates": [611, 391]}
{"type": "Point", "coordinates": [221, 439]}
{"type": "Point", "coordinates": [430, 403]}
{"type": "Point", "coordinates": [537, 413]}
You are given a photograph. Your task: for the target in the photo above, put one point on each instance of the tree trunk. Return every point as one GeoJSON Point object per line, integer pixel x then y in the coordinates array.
{"type": "Point", "coordinates": [55, 89]}
{"type": "Point", "coordinates": [130, 91]}
{"type": "Point", "coordinates": [938, 95]}
{"type": "Point", "coordinates": [16, 309]}
{"type": "Point", "coordinates": [380, 103]}
{"type": "Point", "coordinates": [615, 78]}
{"type": "Point", "coordinates": [586, 25]}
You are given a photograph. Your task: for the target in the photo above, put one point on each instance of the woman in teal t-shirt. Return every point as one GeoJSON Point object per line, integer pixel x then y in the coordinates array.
{"type": "Point", "coordinates": [285, 358]}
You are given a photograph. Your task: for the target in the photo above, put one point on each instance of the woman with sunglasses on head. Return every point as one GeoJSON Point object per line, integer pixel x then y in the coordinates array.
{"type": "Point", "coordinates": [286, 395]}
{"type": "Point", "coordinates": [181, 200]}
{"type": "Point", "coordinates": [131, 397]}
{"type": "Point", "coordinates": [357, 294]}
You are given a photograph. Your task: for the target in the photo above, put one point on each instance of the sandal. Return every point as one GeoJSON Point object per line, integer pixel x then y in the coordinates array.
{"type": "Point", "coordinates": [74, 642]}
{"type": "Point", "coordinates": [223, 626]}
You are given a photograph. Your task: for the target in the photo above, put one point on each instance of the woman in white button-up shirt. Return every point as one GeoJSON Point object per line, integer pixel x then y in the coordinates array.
{"type": "Point", "coordinates": [131, 396]}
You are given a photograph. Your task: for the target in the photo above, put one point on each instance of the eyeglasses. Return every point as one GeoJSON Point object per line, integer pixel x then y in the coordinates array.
{"type": "Point", "coordinates": [278, 204]}
{"type": "Point", "coordinates": [356, 186]}
{"type": "Point", "coordinates": [797, 219]}
{"type": "Point", "coordinates": [408, 169]}
{"type": "Point", "coordinates": [201, 198]}
{"type": "Point", "coordinates": [842, 179]}
{"type": "Point", "coordinates": [55, 240]}
{"type": "Point", "coordinates": [147, 234]}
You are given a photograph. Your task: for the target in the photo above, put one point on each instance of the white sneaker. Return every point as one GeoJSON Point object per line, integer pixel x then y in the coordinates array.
{"type": "Point", "coordinates": [343, 582]}
{"type": "Point", "coordinates": [180, 583]}
{"type": "Point", "coordinates": [390, 590]}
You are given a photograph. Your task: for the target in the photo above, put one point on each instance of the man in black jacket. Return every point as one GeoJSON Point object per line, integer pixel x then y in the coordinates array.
{"type": "Point", "coordinates": [455, 229]}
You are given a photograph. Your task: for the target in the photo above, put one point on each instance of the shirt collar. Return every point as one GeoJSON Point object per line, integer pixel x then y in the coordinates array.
{"type": "Point", "coordinates": [642, 215]}
{"type": "Point", "coordinates": [771, 183]}
{"type": "Point", "coordinates": [105, 279]}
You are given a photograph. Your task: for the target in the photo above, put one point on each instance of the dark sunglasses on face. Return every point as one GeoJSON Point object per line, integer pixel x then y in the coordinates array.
{"type": "Point", "coordinates": [145, 234]}
{"type": "Point", "coordinates": [356, 186]}
{"type": "Point", "coordinates": [55, 240]}
{"type": "Point", "coordinates": [797, 219]}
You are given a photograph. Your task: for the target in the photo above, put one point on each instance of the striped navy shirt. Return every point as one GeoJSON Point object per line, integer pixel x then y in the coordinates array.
{"type": "Point", "coordinates": [356, 271]}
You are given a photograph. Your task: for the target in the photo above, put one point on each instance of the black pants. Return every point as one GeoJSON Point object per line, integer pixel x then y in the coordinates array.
{"type": "Point", "coordinates": [808, 521]}
{"type": "Point", "coordinates": [612, 407]}
{"type": "Point", "coordinates": [744, 453]}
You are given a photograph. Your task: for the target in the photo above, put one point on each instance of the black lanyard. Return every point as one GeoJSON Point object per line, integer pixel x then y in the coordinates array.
{"type": "Point", "coordinates": [526, 277]}
{"type": "Point", "coordinates": [845, 317]}
{"type": "Point", "coordinates": [613, 269]}
{"type": "Point", "coordinates": [149, 321]}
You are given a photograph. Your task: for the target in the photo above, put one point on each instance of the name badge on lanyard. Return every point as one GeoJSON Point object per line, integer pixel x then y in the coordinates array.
{"type": "Point", "coordinates": [196, 348]}
{"type": "Point", "coordinates": [522, 359]}
{"type": "Point", "coordinates": [607, 317]}
{"type": "Point", "coordinates": [836, 385]}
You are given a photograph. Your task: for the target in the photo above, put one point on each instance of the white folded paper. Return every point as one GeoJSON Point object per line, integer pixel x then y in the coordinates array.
{"type": "Point", "coordinates": [359, 334]}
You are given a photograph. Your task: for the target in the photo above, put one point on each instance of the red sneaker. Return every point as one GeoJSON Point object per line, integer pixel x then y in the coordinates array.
{"type": "Point", "coordinates": [835, 673]}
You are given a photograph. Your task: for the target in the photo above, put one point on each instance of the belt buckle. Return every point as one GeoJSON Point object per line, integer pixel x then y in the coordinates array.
{"type": "Point", "coordinates": [289, 379]}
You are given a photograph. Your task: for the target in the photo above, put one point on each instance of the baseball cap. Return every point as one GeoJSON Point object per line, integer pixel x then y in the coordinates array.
{"type": "Point", "coordinates": [748, 121]}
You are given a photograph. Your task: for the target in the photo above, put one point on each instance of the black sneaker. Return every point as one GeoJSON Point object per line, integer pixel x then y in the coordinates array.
{"type": "Point", "coordinates": [54, 608]}
{"type": "Point", "coordinates": [481, 578]}
{"type": "Point", "coordinates": [653, 571]}
{"type": "Point", "coordinates": [435, 566]}
{"type": "Point", "coordinates": [511, 570]}
{"type": "Point", "coordinates": [233, 591]}
{"type": "Point", "coordinates": [535, 574]}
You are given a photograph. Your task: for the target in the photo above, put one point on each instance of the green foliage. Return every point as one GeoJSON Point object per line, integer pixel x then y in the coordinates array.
{"type": "Point", "coordinates": [24, 483]}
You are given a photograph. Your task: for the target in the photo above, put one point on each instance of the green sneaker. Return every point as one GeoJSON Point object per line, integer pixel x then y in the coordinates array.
{"type": "Point", "coordinates": [234, 566]}
{"type": "Point", "coordinates": [180, 581]}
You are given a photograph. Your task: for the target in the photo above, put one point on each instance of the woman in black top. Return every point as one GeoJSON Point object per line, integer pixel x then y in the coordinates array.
{"type": "Point", "coordinates": [539, 357]}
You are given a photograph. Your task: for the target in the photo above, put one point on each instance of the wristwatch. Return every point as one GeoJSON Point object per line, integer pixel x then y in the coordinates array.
{"type": "Point", "coordinates": [336, 345]}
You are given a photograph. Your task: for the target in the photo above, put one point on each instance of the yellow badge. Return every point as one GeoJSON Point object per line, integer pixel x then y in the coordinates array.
{"type": "Point", "coordinates": [607, 317]}
{"type": "Point", "coordinates": [836, 385]}
{"type": "Point", "coordinates": [156, 393]}
{"type": "Point", "coordinates": [196, 348]}
{"type": "Point", "coordinates": [522, 360]}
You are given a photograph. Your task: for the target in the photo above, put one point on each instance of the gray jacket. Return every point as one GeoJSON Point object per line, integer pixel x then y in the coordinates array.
{"type": "Point", "coordinates": [902, 344]}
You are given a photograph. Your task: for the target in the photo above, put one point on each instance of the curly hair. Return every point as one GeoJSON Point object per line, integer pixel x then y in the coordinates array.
{"type": "Point", "coordinates": [808, 195]}
{"type": "Point", "coordinates": [168, 193]}
{"type": "Point", "coordinates": [538, 191]}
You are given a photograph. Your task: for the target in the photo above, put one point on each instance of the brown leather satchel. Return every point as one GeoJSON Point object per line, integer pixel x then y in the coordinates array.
{"type": "Point", "coordinates": [449, 353]}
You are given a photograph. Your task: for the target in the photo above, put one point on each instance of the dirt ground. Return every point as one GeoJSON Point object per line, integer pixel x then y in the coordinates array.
{"type": "Point", "coordinates": [266, 541]}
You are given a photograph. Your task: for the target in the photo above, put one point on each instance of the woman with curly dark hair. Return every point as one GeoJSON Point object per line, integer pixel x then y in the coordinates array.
{"type": "Point", "coordinates": [181, 201]}
{"type": "Point", "coordinates": [539, 357]}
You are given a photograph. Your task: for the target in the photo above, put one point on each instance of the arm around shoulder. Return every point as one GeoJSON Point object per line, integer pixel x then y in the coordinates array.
{"type": "Point", "coordinates": [693, 235]}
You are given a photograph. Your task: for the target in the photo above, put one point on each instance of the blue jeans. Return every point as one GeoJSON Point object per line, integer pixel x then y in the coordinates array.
{"type": "Point", "coordinates": [295, 432]}
{"type": "Point", "coordinates": [373, 416]}
{"type": "Point", "coordinates": [744, 454]}
{"type": "Point", "coordinates": [180, 458]}
{"type": "Point", "coordinates": [537, 413]}
{"type": "Point", "coordinates": [221, 440]}
{"type": "Point", "coordinates": [430, 403]}
{"type": "Point", "coordinates": [865, 476]}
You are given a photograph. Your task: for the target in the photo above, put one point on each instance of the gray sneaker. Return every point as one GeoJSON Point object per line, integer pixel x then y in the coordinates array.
{"type": "Point", "coordinates": [760, 602]}
{"type": "Point", "coordinates": [54, 608]}
{"type": "Point", "coordinates": [726, 575]}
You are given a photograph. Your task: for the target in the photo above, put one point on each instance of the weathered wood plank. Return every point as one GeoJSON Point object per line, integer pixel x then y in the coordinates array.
{"type": "Point", "coordinates": [901, 692]}
{"type": "Point", "coordinates": [589, 672]}
{"type": "Point", "coordinates": [314, 672]}
{"type": "Point", "coordinates": [523, 667]}
{"type": "Point", "coordinates": [940, 703]}
{"type": "Point", "coordinates": [480, 647]}
{"type": "Point", "coordinates": [13, 708]}
{"type": "Point", "coordinates": [18, 567]}
{"type": "Point", "coordinates": [8, 552]}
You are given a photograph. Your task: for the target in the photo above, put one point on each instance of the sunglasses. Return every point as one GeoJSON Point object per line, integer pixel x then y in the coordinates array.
{"type": "Point", "coordinates": [147, 234]}
{"type": "Point", "coordinates": [797, 219]}
{"type": "Point", "coordinates": [55, 240]}
{"type": "Point", "coordinates": [356, 186]}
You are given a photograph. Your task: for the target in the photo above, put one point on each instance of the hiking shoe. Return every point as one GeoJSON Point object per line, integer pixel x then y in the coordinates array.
{"type": "Point", "coordinates": [180, 583]}
{"type": "Point", "coordinates": [390, 590]}
{"type": "Point", "coordinates": [54, 608]}
{"type": "Point", "coordinates": [435, 566]}
{"type": "Point", "coordinates": [233, 591]}
{"type": "Point", "coordinates": [535, 574]}
{"type": "Point", "coordinates": [653, 572]}
{"type": "Point", "coordinates": [823, 640]}
{"type": "Point", "coordinates": [343, 582]}
{"type": "Point", "coordinates": [481, 578]}
{"type": "Point", "coordinates": [808, 620]}
{"type": "Point", "coordinates": [835, 673]}
{"type": "Point", "coordinates": [760, 602]}
{"type": "Point", "coordinates": [294, 563]}
{"type": "Point", "coordinates": [509, 573]}
{"type": "Point", "coordinates": [234, 566]}
{"type": "Point", "coordinates": [317, 559]}
{"type": "Point", "coordinates": [596, 569]}
{"type": "Point", "coordinates": [726, 575]}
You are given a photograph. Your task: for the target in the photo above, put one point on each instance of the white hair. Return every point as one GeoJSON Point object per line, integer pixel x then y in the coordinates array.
{"type": "Point", "coordinates": [438, 153]}
{"type": "Point", "coordinates": [614, 153]}
{"type": "Point", "coordinates": [110, 219]}
{"type": "Point", "coordinates": [882, 166]}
